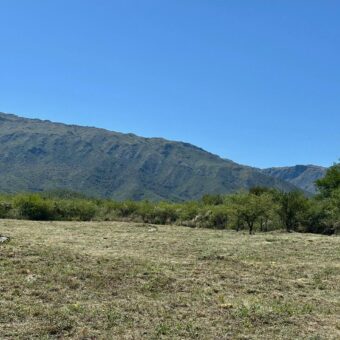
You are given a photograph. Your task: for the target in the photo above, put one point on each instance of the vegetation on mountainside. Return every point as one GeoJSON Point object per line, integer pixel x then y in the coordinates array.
{"type": "Point", "coordinates": [259, 209]}
{"type": "Point", "coordinates": [39, 155]}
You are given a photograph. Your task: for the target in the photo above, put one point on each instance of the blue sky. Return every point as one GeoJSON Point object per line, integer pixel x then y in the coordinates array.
{"type": "Point", "coordinates": [255, 81]}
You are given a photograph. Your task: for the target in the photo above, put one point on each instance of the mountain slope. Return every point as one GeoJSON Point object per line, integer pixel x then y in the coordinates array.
{"type": "Point", "coordinates": [302, 176]}
{"type": "Point", "coordinates": [40, 155]}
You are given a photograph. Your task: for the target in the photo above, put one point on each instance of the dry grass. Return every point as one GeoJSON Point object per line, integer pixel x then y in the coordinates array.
{"type": "Point", "coordinates": [132, 281]}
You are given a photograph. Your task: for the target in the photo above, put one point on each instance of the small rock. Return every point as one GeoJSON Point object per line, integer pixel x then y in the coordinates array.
{"type": "Point", "coordinates": [4, 239]}
{"type": "Point", "coordinates": [31, 278]}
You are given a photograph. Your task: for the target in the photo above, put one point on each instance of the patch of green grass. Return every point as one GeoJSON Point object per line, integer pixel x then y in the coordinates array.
{"type": "Point", "coordinates": [107, 280]}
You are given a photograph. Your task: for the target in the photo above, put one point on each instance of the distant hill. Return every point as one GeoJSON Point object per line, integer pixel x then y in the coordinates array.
{"type": "Point", "coordinates": [302, 176]}
{"type": "Point", "coordinates": [38, 155]}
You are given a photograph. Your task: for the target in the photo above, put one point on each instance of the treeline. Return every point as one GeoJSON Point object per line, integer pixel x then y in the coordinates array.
{"type": "Point", "coordinates": [260, 209]}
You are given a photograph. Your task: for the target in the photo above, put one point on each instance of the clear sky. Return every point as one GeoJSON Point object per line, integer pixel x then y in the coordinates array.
{"type": "Point", "coordinates": [255, 81]}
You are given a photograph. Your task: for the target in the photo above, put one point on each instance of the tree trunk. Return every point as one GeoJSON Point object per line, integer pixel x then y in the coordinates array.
{"type": "Point", "coordinates": [238, 226]}
{"type": "Point", "coordinates": [266, 226]}
{"type": "Point", "coordinates": [250, 225]}
{"type": "Point", "coordinates": [261, 225]}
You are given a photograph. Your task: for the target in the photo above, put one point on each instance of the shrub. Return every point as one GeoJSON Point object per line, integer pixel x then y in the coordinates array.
{"type": "Point", "coordinates": [80, 210]}
{"type": "Point", "coordinates": [145, 211]}
{"type": "Point", "coordinates": [33, 207]}
{"type": "Point", "coordinates": [5, 208]}
{"type": "Point", "coordinates": [165, 213]}
{"type": "Point", "coordinates": [126, 208]}
{"type": "Point", "coordinates": [219, 217]}
{"type": "Point", "coordinates": [189, 210]}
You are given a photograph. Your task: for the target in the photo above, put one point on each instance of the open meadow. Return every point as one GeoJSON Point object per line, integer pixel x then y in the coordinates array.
{"type": "Point", "coordinates": [115, 280]}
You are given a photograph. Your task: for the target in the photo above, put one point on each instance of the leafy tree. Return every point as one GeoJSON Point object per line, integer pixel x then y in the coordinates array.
{"type": "Point", "coordinates": [317, 220]}
{"type": "Point", "coordinates": [330, 182]}
{"type": "Point", "coordinates": [331, 211]}
{"type": "Point", "coordinates": [219, 217]}
{"type": "Point", "coordinates": [248, 208]}
{"type": "Point", "coordinates": [269, 210]}
{"type": "Point", "coordinates": [292, 209]}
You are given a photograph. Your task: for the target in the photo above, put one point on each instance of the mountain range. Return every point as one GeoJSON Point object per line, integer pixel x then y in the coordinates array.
{"type": "Point", "coordinates": [302, 176]}
{"type": "Point", "coordinates": [39, 155]}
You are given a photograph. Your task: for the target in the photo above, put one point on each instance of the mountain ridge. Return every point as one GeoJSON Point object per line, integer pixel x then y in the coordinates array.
{"type": "Point", "coordinates": [302, 176]}
{"type": "Point", "coordinates": [37, 155]}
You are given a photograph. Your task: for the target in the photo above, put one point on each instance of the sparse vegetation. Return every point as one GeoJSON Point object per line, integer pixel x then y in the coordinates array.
{"type": "Point", "coordinates": [124, 280]}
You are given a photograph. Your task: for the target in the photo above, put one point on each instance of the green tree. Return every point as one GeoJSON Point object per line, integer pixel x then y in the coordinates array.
{"type": "Point", "coordinates": [292, 209]}
{"type": "Point", "coordinates": [331, 212]}
{"type": "Point", "coordinates": [247, 209]}
{"type": "Point", "coordinates": [268, 210]}
{"type": "Point", "coordinates": [330, 182]}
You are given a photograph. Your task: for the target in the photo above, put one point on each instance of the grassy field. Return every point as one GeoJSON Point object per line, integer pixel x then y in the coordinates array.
{"type": "Point", "coordinates": [131, 281]}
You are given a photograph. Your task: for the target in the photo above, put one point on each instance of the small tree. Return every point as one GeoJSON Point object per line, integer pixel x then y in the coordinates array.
{"type": "Point", "coordinates": [268, 210]}
{"type": "Point", "coordinates": [292, 208]}
{"type": "Point", "coordinates": [248, 208]}
{"type": "Point", "coordinates": [219, 217]}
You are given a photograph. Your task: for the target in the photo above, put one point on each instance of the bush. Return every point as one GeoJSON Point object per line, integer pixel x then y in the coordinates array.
{"type": "Point", "coordinates": [79, 210]}
{"type": "Point", "coordinates": [126, 208]}
{"type": "Point", "coordinates": [189, 210]}
{"type": "Point", "coordinates": [5, 208]}
{"type": "Point", "coordinates": [165, 213]}
{"type": "Point", "coordinates": [219, 217]}
{"type": "Point", "coordinates": [33, 207]}
{"type": "Point", "coordinates": [145, 211]}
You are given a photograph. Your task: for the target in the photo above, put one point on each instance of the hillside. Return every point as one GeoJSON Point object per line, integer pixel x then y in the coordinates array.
{"type": "Point", "coordinates": [38, 155]}
{"type": "Point", "coordinates": [302, 176]}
